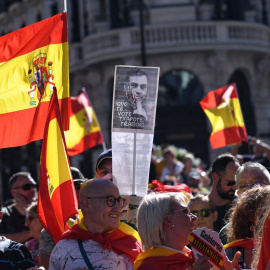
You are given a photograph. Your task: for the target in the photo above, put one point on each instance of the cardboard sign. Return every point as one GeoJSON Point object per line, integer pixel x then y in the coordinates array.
{"type": "Point", "coordinates": [133, 121]}
{"type": "Point", "coordinates": [205, 242]}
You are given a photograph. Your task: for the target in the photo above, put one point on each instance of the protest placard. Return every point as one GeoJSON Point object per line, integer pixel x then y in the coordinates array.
{"type": "Point", "coordinates": [133, 120]}
{"type": "Point", "coordinates": [205, 242]}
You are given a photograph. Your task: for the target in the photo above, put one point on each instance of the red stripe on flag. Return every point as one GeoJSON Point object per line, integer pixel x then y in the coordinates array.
{"type": "Point", "coordinates": [31, 122]}
{"type": "Point", "coordinates": [216, 97]}
{"type": "Point", "coordinates": [20, 42]}
{"type": "Point", "coordinates": [227, 136]}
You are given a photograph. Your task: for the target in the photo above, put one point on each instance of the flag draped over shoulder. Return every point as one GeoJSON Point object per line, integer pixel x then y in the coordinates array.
{"type": "Point", "coordinates": [33, 60]}
{"type": "Point", "coordinates": [84, 131]}
{"type": "Point", "coordinates": [57, 200]}
{"type": "Point", "coordinates": [224, 112]}
{"type": "Point", "coordinates": [163, 258]}
{"type": "Point", "coordinates": [124, 240]}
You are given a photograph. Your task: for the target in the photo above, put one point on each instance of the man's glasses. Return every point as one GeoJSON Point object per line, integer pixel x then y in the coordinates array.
{"type": "Point", "coordinates": [26, 186]}
{"type": "Point", "coordinates": [203, 212]}
{"type": "Point", "coordinates": [103, 172]}
{"type": "Point", "coordinates": [111, 200]}
{"type": "Point", "coordinates": [229, 183]}
{"type": "Point", "coordinates": [251, 185]}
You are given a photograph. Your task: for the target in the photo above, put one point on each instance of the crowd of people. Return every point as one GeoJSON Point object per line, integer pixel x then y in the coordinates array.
{"type": "Point", "coordinates": [129, 232]}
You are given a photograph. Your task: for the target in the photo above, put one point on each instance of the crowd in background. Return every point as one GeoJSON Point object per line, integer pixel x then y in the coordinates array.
{"type": "Point", "coordinates": [229, 198]}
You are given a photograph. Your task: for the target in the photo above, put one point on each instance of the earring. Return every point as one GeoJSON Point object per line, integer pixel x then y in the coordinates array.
{"type": "Point", "coordinates": [172, 225]}
{"type": "Point", "coordinates": [251, 228]}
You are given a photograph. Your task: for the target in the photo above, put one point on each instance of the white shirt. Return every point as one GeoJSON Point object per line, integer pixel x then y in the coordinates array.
{"type": "Point", "coordinates": [66, 255]}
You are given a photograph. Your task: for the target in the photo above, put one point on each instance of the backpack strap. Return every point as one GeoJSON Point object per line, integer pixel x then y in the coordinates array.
{"type": "Point", "coordinates": [82, 250]}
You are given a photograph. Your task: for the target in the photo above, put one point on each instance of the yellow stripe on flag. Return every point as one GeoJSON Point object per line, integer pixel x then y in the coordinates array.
{"type": "Point", "coordinates": [15, 89]}
{"type": "Point", "coordinates": [227, 114]}
{"type": "Point", "coordinates": [57, 172]}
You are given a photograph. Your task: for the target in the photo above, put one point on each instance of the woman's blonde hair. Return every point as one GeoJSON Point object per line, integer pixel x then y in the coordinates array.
{"type": "Point", "coordinates": [150, 216]}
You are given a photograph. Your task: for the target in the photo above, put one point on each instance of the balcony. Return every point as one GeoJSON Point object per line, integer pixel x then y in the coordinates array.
{"type": "Point", "coordinates": [170, 38]}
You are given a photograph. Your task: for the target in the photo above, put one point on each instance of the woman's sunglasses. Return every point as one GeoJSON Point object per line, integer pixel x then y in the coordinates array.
{"type": "Point", "coordinates": [203, 212]}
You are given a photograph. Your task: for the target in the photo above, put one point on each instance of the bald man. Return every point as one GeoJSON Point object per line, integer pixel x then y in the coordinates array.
{"type": "Point", "coordinates": [106, 242]}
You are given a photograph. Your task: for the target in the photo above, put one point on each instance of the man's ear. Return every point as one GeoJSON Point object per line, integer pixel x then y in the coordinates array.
{"type": "Point", "coordinates": [84, 203]}
{"type": "Point", "coordinates": [13, 192]}
{"type": "Point", "coordinates": [215, 177]}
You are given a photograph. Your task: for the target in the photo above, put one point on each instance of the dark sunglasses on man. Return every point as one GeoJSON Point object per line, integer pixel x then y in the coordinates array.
{"type": "Point", "coordinates": [26, 186]}
{"type": "Point", "coordinates": [229, 183]}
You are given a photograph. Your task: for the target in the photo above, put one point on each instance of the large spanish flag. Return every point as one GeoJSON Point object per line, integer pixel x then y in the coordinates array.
{"type": "Point", "coordinates": [57, 200]}
{"type": "Point", "coordinates": [224, 112]}
{"type": "Point", "coordinates": [84, 131]}
{"type": "Point", "coordinates": [33, 60]}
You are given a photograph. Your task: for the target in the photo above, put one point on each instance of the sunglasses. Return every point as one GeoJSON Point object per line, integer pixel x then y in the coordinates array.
{"type": "Point", "coordinates": [203, 212]}
{"type": "Point", "coordinates": [104, 172]}
{"type": "Point", "coordinates": [251, 185]}
{"type": "Point", "coordinates": [26, 186]}
{"type": "Point", "coordinates": [111, 200]}
{"type": "Point", "coordinates": [30, 219]}
{"type": "Point", "coordinates": [229, 183]}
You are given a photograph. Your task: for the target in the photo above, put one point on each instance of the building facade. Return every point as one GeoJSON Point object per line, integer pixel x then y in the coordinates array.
{"type": "Point", "coordinates": [199, 45]}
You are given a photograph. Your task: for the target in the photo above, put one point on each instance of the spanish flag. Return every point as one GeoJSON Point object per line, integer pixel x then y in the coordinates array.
{"type": "Point", "coordinates": [160, 258]}
{"type": "Point", "coordinates": [224, 112]}
{"type": "Point", "coordinates": [57, 200]}
{"type": "Point", "coordinates": [84, 131]}
{"type": "Point", "coordinates": [124, 240]}
{"type": "Point", "coordinates": [33, 60]}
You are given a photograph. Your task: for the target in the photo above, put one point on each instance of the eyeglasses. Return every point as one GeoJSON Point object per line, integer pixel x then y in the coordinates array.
{"type": "Point", "coordinates": [111, 200]}
{"type": "Point", "coordinates": [229, 183]}
{"type": "Point", "coordinates": [250, 185]}
{"type": "Point", "coordinates": [185, 210]}
{"type": "Point", "coordinates": [26, 186]}
{"type": "Point", "coordinates": [104, 172]}
{"type": "Point", "coordinates": [203, 212]}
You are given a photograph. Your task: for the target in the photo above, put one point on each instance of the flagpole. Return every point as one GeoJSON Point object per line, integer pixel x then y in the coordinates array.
{"type": "Point", "coordinates": [249, 149]}
{"type": "Point", "coordinates": [65, 6]}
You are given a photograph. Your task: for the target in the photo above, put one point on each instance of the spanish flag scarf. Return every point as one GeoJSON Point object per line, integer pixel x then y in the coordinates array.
{"type": "Point", "coordinates": [161, 258]}
{"type": "Point", "coordinates": [124, 240]}
{"type": "Point", "coordinates": [243, 243]}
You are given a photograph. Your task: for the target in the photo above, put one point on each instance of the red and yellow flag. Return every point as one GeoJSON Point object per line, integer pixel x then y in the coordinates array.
{"type": "Point", "coordinates": [57, 200]}
{"type": "Point", "coordinates": [124, 240]}
{"type": "Point", "coordinates": [84, 131]}
{"type": "Point", "coordinates": [163, 258]}
{"type": "Point", "coordinates": [224, 112]}
{"type": "Point", "coordinates": [33, 60]}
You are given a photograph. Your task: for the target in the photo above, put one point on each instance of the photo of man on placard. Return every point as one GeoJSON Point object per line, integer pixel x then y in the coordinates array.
{"type": "Point", "coordinates": [135, 97]}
